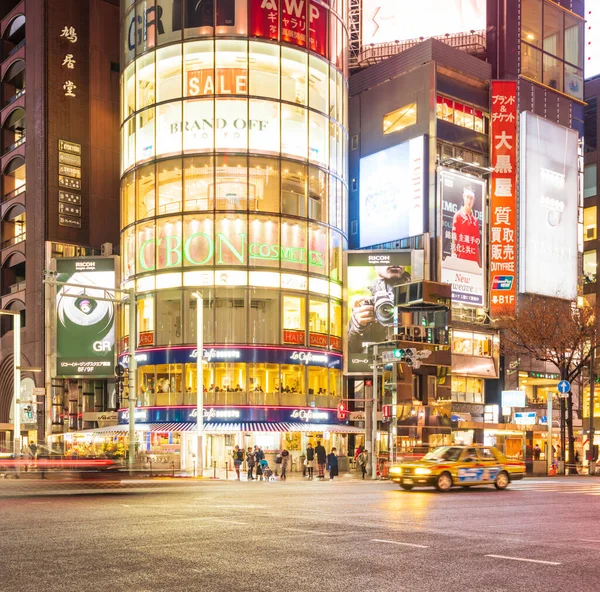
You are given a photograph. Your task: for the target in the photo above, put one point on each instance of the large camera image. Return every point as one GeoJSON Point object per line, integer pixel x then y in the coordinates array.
{"type": "Point", "coordinates": [383, 305]}
{"type": "Point", "coordinates": [83, 318]}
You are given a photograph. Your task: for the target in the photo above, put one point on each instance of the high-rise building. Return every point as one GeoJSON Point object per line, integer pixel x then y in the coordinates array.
{"type": "Point", "coordinates": [59, 96]}
{"type": "Point", "coordinates": [233, 188]}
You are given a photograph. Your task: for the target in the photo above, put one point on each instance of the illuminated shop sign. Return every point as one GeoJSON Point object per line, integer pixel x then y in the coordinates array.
{"type": "Point", "coordinates": [201, 248]}
{"type": "Point", "coordinates": [223, 81]}
{"type": "Point", "coordinates": [245, 354]}
{"type": "Point", "coordinates": [204, 125]}
{"type": "Point", "coordinates": [231, 415]}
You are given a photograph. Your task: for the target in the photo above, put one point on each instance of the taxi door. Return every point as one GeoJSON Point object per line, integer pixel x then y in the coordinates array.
{"type": "Point", "coordinates": [489, 465]}
{"type": "Point", "coordinates": [470, 471]}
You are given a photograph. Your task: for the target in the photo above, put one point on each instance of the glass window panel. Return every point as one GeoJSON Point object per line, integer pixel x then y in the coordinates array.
{"type": "Point", "coordinates": [146, 247]}
{"type": "Point", "coordinates": [317, 194]}
{"type": "Point", "coordinates": [145, 135]}
{"type": "Point", "coordinates": [479, 122]}
{"type": "Point", "coordinates": [129, 252]}
{"type": "Point", "coordinates": [229, 384]}
{"type": "Point", "coordinates": [318, 387]}
{"type": "Point", "coordinates": [294, 140]}
{"type": "Point", "coordinates": [400, 119]}
{"type": "Point", "coordinates": [168, 132]}
{"type": "Point", "coordinates": [169, 247]}
{"type": "Point", "coordinates": [169, 320]}
{"type": "Point", "coordinates": [127, 200]}
{"type": "Point", "coordinates": [531, 62]}
{"type": "Point", "coordinates": [293, 245]}
{"type": "Point", "coordinates": [335, 318]}
{"type": "Point", "coordinates": [294, 313]}
{"type": "Point", "coordinates": [145, 190]}
{"type": "Point", "coordinates": [263, 319]}
{"type": "Point", "coordinates": [590, 267]}
{"type": "Point", "coordinates": [590, 180]}
{"type": "Point", "coordinates": [230, 315]}
{"type": "Point", "coordinates": [169, 186]}
{"type": "Point", "coordinates": [264, 124]}
{"type": "Point", "coordinates": [198, 69]}
{"type": "Point", "coordinates": [335, 383]}
{"type": "Point", "coordinates": [145, 27]}
{"type": "Point", "coordinates": [590, 217]}
{"type": "Point", "coordinates": [129, 143]}
{"type": "Point", "coordinates": [317, 255]}
{"type": "Point", "coordinates": [263, 384]}
{"type": "Point", "coordinates": [264, 70]}
{"type": "Point", "coordinates": [318, 316]}
{"type": "Point", "coordinates": [129, 91]}
{"type": "Point", "coordinates": [482, 345]}
{"type": "Point", "coordinates": [208, 322]}
{"type": "Point", "coordinates": [574, 81]}
{"type": "Point", "coordinates": [145, 306]}
{"type": "Point", "coordinates": [318, 84]}
{"type": "Point", "coordinates": [318, 140]}
{"type": "Point", "coordinates": [264, 182]}
{"type": "Point", "coordinates": [553, 72]}
{"type": "Point", "coordinates": [333, 139]}
{"type": "Point", "coordinates": [170, 13]}
{"type": "Point", "coordinates": [553, 30]}
{"type": "Point", "coordinates": [231, 71]}
{"type": "Point", "coordinates": [145, 94]}
{"type": "Point", "coordinates": [198, 128]}
{"type": "Point", "coordinates": [294, 66]}
{"type": "Point", "coordinates": [573, 41]}
{"type": "Point", "coordinates": [263, 247]}
{"type": "Point", "coordinates": [342, 99]}
{"type": "Point", "coordinates": [231, 131]}
{"type": "Point", "coordinates": [198, 18]}
{"type": "Point", "coordinates": [231, 236]}
{"type": "Point", "coordinates": [128, 38]}
{"type": "Point", "coordinates": [459, 114]}
{"type": "Point", "coordinates": [168, 74]}
{"type": "Point", "coordinates": [468, 114]}
{"type": "Point", "coordinates": [336, 250]}
{"type": "Point", "coordinates": [334, 106]}
{"type": "Point", "coordinates": [293, 391]}
{"type": "Point", "coordinates": [531, 22]}
{"type": "Point", "coordinates": [232, 183]}
{"type": "Point", "coordinates": [199, 183]}
{"type": "Point", "coordinates": [198, 240]}
{"type": "Point", "coordinates": [293, 188]}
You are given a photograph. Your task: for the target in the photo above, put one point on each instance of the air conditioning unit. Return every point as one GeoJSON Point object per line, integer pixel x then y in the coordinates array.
{"type": "Point", "coordinates": [106, 249]}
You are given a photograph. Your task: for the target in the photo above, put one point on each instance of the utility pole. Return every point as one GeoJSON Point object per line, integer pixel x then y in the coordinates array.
{"type": "Point", "coordinates": [591, 461]}
{"type": "Point", "coordinates": [373, 423]}
{"type": "Point", "coordinates": [132, 376]}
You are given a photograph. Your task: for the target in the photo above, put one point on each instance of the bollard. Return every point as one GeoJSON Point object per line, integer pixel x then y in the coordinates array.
{"type": "Point", "coordinates": [215, 469]}
{"type": "Point", "coordinates": [173, 469]}
{"type": "Point", "coordinates": [226, 472]}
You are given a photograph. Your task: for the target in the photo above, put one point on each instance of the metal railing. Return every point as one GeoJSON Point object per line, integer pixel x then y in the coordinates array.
{"type": "Point", "coordinates": [15, 49]}
{"type": "Point", "coordinates": [16, 96]}
{"type": "Point", "coordinates": [11, 242]}
{"type": "Point", "coordinates": [14, 193]}
{"type": "Point", "coordinates": [14, 145]}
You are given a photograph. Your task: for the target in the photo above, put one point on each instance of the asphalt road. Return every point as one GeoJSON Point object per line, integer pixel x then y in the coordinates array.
{"type": "Point", "coordinates": [346, 535]}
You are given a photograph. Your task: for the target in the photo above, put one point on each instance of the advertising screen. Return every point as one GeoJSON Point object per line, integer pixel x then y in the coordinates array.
{"type": "Point", "coordinates": [385, 21]}
{"type": "Point", "coordinates": [463, 244]}
{"type": "Point", "coordinates": [548, 249]}
{"type": "Point", "coordinates": [592, 43]}
{"type": "Point", "coordinates": [391, 193]}
{"type": "Point", "coordinates": [85, 327]}
{"type": "Point", "coordinates": [513, 399]}
{"type": "Point", "coordinates": [370, 277]}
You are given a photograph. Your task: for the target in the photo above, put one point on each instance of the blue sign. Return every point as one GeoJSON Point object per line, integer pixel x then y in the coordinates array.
{"type": "Point", "coordinates": [214, 414]}
{"type": "Point", "coordinates": [240, 353]}
{"type": "Point", "coordinates": [564, 386]}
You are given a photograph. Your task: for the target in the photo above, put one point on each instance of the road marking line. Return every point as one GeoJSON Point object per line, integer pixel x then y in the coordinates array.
{"type": "Point", "coordinates": [524, 559]}
{"type": "Point", "coordinates": [309, 531]}
{"type": "Point", "coordinates": [590, 540]}
{"type": "Point", "coordinates": [399, 543]}
{"type": "Point", "coordinates": [229, 521]}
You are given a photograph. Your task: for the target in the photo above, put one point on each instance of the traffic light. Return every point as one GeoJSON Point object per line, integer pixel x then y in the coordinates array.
{"type": "Point", "coordinates": [342, 410]}
{"type": "Point", "coordinates": [407, 355]}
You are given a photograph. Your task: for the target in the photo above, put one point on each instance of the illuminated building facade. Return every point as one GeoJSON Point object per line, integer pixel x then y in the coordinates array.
{"type": "Point", "coordinates": [234, 157]}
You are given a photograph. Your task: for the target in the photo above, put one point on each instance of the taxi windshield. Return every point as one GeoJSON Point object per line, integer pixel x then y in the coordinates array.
{"type": "Point", "coordinates": [449, 453]}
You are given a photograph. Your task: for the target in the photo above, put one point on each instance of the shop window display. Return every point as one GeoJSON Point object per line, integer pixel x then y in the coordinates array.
{"type": "Point", "coordinates": [293, 189]}
{"type": "Point", "coordinates": [294, 320]}
{"type": "Point", "coordinates": [231, 183]}
{"type": "Point", "coordinates": [144, 140]}
{"type": "Point", "coordinates": [198, 177]}
{"type": "Point", "coordinates": [294, 131]}
{"type": "Point", "coordinates": [168, 129]}
{"type": "Point", "coordinates": [264, 180]}
{"type": "Point", "coordinates": [294, 67]}
{"type": "Point", "coordinates": [168, 73]}
{"type": "Point", "coordinates": [264, 70]}
{"type": "Point", "coordinates": [169, 318]}
{"type": "Point", "coordinates": [169, 175]}
{"type": "Point", "coordinates": [263, 384]}
{"type": "Point", "coordinates": [145, 89]}
{"type": "Point", "coordinates": [127, 200]}
{"type": "Point", "coordinates": [292, 384]}
{"type": "Point", "coordinates": [145, 320]}
{"type": "Point", "coordinates": [318, 395]}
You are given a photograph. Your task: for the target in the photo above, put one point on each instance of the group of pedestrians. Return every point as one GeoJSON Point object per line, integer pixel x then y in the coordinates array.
{"type": "Point", "coordinates": [253, 458]}
{"type": "Point", "coordinates": [323, 460]}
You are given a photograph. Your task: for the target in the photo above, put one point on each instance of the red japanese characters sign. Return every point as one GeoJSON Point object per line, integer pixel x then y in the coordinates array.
{"type": "Point", "coordinates": [317, 22]}
{"type": "Point", "coordinates": [503, 198]}
{"type": "Point", "coordinates": [293, 22]}
{"type": "Point", "coordinates": [264, 19]}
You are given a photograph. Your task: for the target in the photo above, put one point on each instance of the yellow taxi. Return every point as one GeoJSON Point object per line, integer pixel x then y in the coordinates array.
{"type": "Point", "coordinates": [448, 466]}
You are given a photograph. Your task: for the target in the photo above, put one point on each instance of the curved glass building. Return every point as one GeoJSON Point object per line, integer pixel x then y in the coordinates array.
{"type": "Point", "coordinates": [234, 157]}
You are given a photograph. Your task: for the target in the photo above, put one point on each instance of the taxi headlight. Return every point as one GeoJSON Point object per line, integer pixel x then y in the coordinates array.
{"type": "Point", "coordinates": [422, 471]}
{"type": "Point", "coordinates": [396, 471]}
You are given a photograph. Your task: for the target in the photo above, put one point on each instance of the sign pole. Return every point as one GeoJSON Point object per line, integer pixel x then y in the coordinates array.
{"type": "Point", "coordinates": [132, 376]}
{"type": "Point", "coordinates": [591, 461]}
{"type": "Point", "coordinates": [374, 415]}
{"type": "Point", "coordinates": [199, 382]}
{"type": "Point", "coordinates": [549, 436]}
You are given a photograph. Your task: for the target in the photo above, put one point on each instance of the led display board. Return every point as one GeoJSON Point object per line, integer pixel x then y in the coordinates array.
{"type": "Point", "coordinates": [392, 193]}
{"type": "Point", "coordinates": [385, 21]}
{"type": "Point", "coordinates": [513, 399]}
{"type": "Point", "coordinates": [463, 238]}
{"type": "Point", "coordinates": [548, 196]}
{"type": "Point", "coordinates": [85, 328]}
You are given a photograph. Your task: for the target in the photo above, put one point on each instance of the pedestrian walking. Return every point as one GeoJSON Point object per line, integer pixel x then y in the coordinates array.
{"type": "Point", "coordinates": [238, 459]}
{"type": "Point", "coordinates": [250, 462]}
{"type": "Point", "coordinates": [285, 459]}
{"type": "Point", "coordinates": [363, 459]}
{"type": "Point", "coordinates": [321, 459]}
{"type": "Point", "coordinates": [537, 451]}
{"type": "Point", "coordinates": [310, 460]}
{"type": "Point", "coordinates": [258, 456]}
{"type": "Point", "coordinates": [332, 464]}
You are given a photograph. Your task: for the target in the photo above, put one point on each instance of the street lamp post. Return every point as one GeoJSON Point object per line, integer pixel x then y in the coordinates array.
{"type": "Point", "coordinates": [592, 463]}
{"type": "Point", "coordinates": [132, 376]}
{"type": "Point", "coordinates": [199, 382]}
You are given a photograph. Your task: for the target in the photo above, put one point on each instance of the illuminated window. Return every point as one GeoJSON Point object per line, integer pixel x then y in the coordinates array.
{"type": "Point", "coordinates": [128, 91]}
{"type": "Point", "coordinates": [335, 319]}
{"type": "Point", "coordinates": [444, 109]}
{"type": "Point", "coordinates": [294, 316]}
{"type": "Point", "coordinates": [293, 189]}
{"type": "Point", "coordinates": [264, 70]}
{"type": "Point", "coordinates": [293, 391]}
{"type": "Point", "coordinates": [232, 183]}
{"type": "Point", "coordinates": [400, 119]}
{"type": "Point", "coordinates": [531, 62]}
{"type": "Point", "coordinates": [169, 187]}
{"type": "Point", "coordinates": [317, 254]}
{"type": "Point", "coordinates": [460, 114]}
{"type": "Point", "coordinates": [168, 129]}
{"type": "Point", "coordinates": [146, 320]}
{"type": "Point", "coordinates": [199, 183]}
{"type": "Point", "coordinates": [590, 267]}
{"type": "Point", "coordinates": [294, 67]}
{"type": "Point", "coordinates": [263, 316]}
{"type": "Point", "coordinates": [589, 223]}
{"type": "Point", "coordinates": [265, 182]}
{"type": "Point", "coordinates": [318, 140]}
{"type": "Point", "coordinates": [127, 200]}
{"type": "Point", "coordinates": [317, 387]}
{"type": "Point", "coordinates": [318, 84]}
{"type": "Point", "coordinates": [168, 234]}
{"type": "Point", "coordinates": [145, 94]}
{"type": "Point", "coordinates": [198, 69]}
{"type": "Point", "coordinates": [294, 131]}
{"type": "Point", "coordinates": [317, 194]}
{"type": "Point", "coordinates": [168, 73]}
{"type": "Point", "coordinates": [190, 310]}
{"type": "Point", "coordinates": [230, 315]}
{"type": "Point", "coordinates": [264, 129]}
{"type": "Point", "coordinates": [144, 145]}
{"type": "Point", "coordinates": [145, 190]}
{"type": "Point", "coordinates": [590, 180]}
{"type": "Point", "coordinates": [531, 22]}
{"type": "Point", "coordinates": [263, 242]}
{"type": "Point", "coordinates": [169, 317]}
{"type": "Point", "coordinates": [294, 252]}
{"type": "Point", "coordinates": [231, 70]}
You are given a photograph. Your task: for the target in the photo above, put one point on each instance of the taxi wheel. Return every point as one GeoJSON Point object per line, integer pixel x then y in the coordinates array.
{"type": "Point", "coordinates": [502, 480]}
{"type": "Point", "coordinates": [444, 482]}
{"type": "Point", "coordinates": [406, 487]}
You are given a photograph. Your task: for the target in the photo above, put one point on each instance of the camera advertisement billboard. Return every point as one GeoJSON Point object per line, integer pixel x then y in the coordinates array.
{"type": "Point", "coordinates": [463, 244]}
{"type": "Point", "coordinates": [370, 278]}
{"type": "Point", "coordinates": [389, 21]}
{"type": "Point", "coordinates": [85, 324]}
{"type": "Point", "coordinates": [391, 193]}
{"type": "Point", "coordinates": [549, 201]}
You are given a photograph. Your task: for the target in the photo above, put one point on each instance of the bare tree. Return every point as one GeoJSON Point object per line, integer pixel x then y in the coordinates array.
{"type": "Point", "coordinates": [554, 331]}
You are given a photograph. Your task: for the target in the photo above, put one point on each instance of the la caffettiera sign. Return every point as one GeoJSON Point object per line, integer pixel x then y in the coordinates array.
{"type": "Point", "coordinates": [201, 248]}
{"type": "Point", "coordinates": [233, 415]}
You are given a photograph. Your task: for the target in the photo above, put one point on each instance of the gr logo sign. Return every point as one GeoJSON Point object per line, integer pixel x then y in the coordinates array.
{"type": "Point", "coordinates": [102, 346]}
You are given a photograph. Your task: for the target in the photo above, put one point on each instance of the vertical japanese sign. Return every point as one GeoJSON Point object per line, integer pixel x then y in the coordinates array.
{"type": "Point", "coordinates": [293, 22]}
{"type": "Point", "coordinates": [503, 198]}
{"type": "Point", "coordinates": [317, 22]}
{"type": "Point", "coordinates": [264, 19]}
